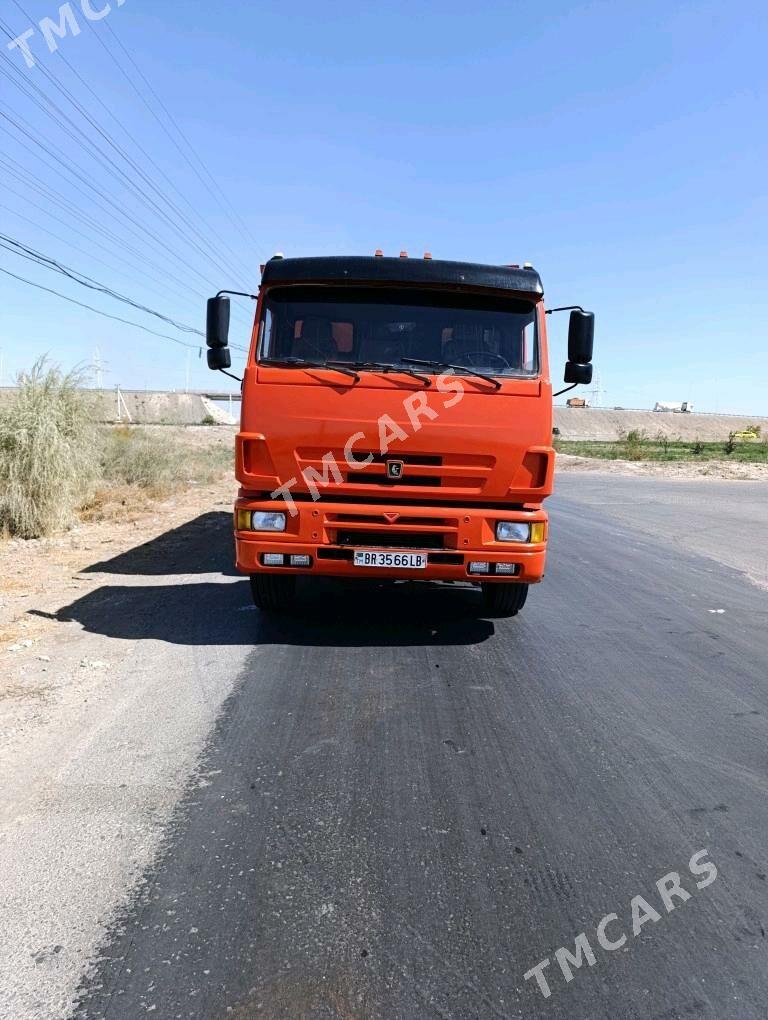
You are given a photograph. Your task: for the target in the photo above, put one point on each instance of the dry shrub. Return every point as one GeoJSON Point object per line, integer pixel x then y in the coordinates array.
{"type": "Point", "coordinates": [57, 463]}
{"type": "Point", "coordinates": [48, 452]}
{"type": "Point", "coordinates": [135, 458]}
{"type": "Point", "coordinates": [156, 464]}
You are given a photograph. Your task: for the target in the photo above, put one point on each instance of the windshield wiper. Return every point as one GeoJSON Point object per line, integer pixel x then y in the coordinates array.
{"type": "Point", "coordinates": [303, 363]}
{"type": "Point", "coordinates": [383, 366]}
{"type": "Point", "coordinates": [456, 368]}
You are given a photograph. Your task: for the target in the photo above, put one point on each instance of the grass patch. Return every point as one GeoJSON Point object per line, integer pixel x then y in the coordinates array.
{"type": "Point", "coordinates": [642, 448]}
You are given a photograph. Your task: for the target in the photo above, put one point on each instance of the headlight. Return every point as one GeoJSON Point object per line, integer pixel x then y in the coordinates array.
{"type": "Point", "coordinates": [266, 520]}
{"type": "Point", "coordinates": [260, 520]}
{"type": "Point", "coordinates": [513, 531]}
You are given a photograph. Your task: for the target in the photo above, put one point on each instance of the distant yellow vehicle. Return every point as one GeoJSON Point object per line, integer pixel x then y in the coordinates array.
{"type": "Point", "coordinates": [753, 432]}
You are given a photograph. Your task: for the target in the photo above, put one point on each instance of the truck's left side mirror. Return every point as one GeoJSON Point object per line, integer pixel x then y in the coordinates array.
{"type": "Point", "coordinates": [581, 336]}
{"type": "Point", "coordinates": [217, 322]}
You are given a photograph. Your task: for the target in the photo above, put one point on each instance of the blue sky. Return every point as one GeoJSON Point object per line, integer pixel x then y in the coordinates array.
{"type": "Point", "coordinates": [619, 147]}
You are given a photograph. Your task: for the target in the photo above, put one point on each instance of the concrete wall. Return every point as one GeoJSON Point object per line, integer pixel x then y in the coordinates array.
{"type": "Point", "coordinates": [148, 407]}
{"type": "Point", "coordinates": [597, 423]}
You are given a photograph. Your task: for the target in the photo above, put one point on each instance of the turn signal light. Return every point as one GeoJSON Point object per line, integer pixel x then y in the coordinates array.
{"type": "Point", "coordinates": [538, 530]}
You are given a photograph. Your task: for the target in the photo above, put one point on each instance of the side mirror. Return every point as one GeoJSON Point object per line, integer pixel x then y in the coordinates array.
{"type": "Point", "coordinates": [574, 373]}
{"type": "Point", "coordinates": [581, 336]}
{"type": "Point", "coordinates": [217, 323]}
{"type": "Point", "coordinates": [219, 357]}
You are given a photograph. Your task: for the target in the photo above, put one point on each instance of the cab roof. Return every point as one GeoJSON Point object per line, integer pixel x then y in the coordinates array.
{"type": "Point", "coordinates": [408, 271]}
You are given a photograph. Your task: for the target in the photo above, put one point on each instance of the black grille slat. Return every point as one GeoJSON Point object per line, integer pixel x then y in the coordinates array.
{"type": "Point", "coordinates": [357, 478]}
{"type": "Point", "coordinates": [424, 459]}
{"type": "Point", "coordinates": [390, 539]}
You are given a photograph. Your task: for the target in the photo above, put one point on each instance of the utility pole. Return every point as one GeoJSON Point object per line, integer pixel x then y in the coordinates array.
{"type": "Point", "coordinates": [97, 369]}
{"type": "Point", "coordinates": [596, 391]}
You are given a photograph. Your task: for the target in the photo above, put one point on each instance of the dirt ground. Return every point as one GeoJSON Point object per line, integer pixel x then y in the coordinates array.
{"type": "Point", "coordinates": [45, 572]}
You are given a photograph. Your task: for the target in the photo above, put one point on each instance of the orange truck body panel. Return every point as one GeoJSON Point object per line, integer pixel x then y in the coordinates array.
{"type": "Point", "coordinates": [487, 457]}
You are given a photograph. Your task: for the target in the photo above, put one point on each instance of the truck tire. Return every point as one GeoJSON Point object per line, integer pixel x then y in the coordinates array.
{"type": "Point", "coordinates": [504, 599]}
{"type": "Point", "coordinates": [273, 594]}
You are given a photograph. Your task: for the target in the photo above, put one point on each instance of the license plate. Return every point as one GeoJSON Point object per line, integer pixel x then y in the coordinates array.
{"type": "Point", "coordinates": [406, 560]}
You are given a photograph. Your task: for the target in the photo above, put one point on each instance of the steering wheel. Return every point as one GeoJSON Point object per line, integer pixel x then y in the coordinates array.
{"type": "Point", "coordinates": [469, 355]}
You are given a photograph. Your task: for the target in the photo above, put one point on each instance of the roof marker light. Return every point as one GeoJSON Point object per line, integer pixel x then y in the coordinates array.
{"type": "Point", "coordinates": [403, 254]}
{"type": "Point", "coordinates": [378, 253]}
{"type": "Point", "coordinates": [428, 255]}
{"type": "Point", "coordinates": [527, 265]}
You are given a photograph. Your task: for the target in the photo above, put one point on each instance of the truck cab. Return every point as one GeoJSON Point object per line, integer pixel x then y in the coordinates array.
{"type": "Point", "coordinates": [396, 423]}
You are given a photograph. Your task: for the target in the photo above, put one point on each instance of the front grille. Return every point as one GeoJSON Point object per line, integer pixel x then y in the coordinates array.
{"type": "Point", "coordinates": [452, 472]}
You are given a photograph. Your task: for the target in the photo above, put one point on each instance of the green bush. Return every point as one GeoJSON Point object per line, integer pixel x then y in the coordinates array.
{"type": "Point", "coordinates": [635, 444]}
{"type": "Point", "coordinates": [48, 452]}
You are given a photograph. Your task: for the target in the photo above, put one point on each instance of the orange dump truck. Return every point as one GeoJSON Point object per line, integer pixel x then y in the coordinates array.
{"type": "Point", "coordinates": [396, 423]}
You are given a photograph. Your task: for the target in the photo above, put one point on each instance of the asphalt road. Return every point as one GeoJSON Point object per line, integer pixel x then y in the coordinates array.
{"type": "Point", "coordinates": [403, 809]}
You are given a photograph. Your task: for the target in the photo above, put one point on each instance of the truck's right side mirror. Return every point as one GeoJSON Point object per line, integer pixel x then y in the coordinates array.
{"type": "Point", "coordinates": [581, 335]}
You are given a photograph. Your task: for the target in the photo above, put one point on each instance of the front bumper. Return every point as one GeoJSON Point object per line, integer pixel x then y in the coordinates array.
{"type": "Point", "coordinates": [451, 537]}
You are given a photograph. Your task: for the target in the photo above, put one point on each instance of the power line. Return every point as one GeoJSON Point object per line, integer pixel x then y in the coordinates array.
{"type": "Point", "coordinates": [62, 204]}
{"type": "Point", "coordinates": [98, 311]}
{"type": "Point", "coordinates": [46, 104]}
{"type": "Point", "coordinates": [60, 118]}
{"type": "Point", "coordinates": [80, 174]}
{"type": "Point", "coordinates": [83, 219]}
{"type": "Point", "coordinates": [108, 162]}
{"type": "Point", "coordinates": [17, 248]}
{"type": "Point", "coordinates": [231, 212]}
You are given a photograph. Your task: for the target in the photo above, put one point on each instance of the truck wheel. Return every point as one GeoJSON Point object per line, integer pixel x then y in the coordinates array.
{"type": "Point", "coordinates": [504, 599]}
{"type": "Point", "coordinates": [272, 593]}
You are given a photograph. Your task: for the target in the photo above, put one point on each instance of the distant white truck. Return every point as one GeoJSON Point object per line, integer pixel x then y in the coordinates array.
{"type": "Point", "coordinates": [683, 408]}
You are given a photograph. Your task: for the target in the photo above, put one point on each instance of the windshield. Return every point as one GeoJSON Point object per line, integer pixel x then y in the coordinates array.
{"type": "Point", "coordinates": [366, 326]}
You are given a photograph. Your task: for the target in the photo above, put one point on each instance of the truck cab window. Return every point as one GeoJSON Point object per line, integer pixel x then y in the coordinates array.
{"type": "Point", "coordinates": [363, 325]}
